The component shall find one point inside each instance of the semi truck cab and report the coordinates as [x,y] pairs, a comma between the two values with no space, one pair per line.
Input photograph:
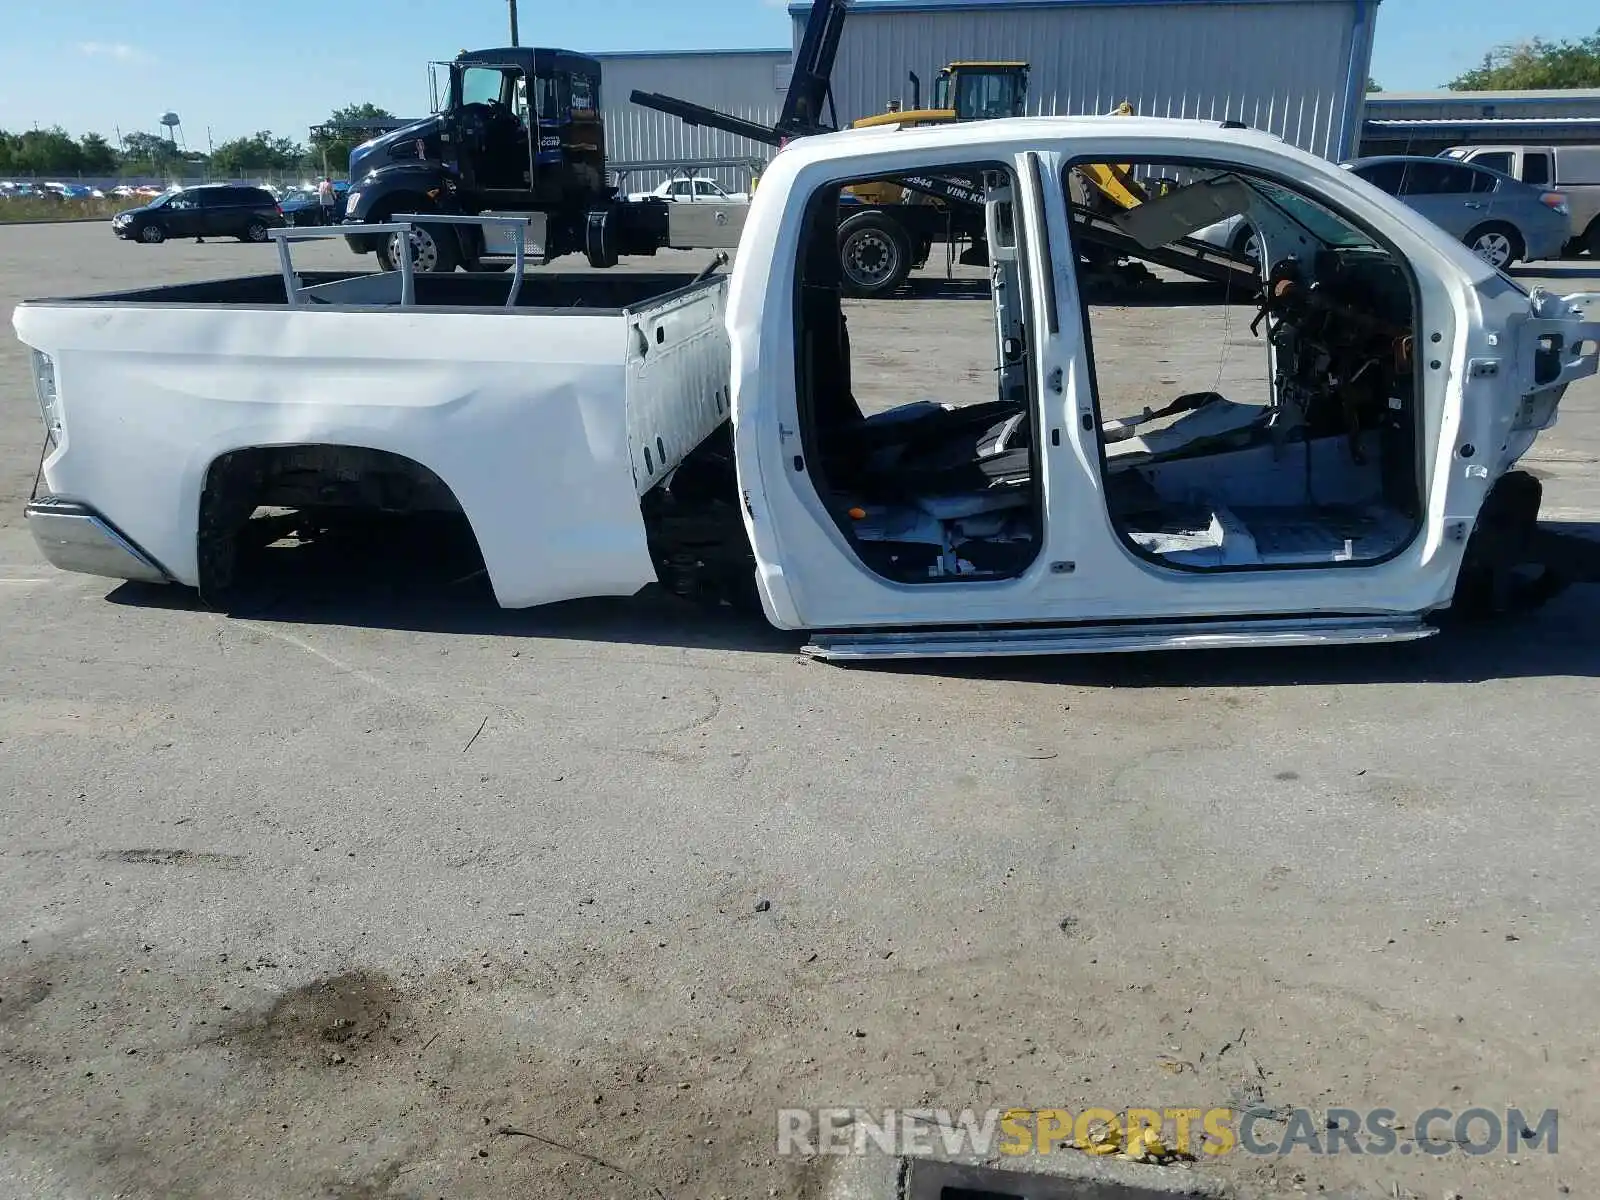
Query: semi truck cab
[519,131]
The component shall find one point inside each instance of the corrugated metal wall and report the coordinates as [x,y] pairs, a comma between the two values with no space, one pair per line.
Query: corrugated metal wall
[1390,106]
[745,83]
[1284,67]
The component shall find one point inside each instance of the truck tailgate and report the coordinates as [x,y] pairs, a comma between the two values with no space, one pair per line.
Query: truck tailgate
[677,379]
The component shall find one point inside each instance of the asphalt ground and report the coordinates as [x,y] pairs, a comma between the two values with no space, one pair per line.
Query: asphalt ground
[374,895]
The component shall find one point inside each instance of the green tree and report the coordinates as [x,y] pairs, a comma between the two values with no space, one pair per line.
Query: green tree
[342,132]
[96,155]
[1373,85]
[149,153]
[40,152]
[259,152]
[1515,66]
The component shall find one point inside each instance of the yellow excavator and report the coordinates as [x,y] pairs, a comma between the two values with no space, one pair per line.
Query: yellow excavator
[888,229]
[979,91]
[962,91]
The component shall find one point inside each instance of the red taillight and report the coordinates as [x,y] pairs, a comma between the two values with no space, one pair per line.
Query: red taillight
[1553,200]
[280,209]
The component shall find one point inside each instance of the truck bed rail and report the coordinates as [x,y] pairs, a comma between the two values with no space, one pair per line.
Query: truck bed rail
[405,223]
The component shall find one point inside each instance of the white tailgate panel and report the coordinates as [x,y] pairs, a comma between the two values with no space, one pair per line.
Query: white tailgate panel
[678,381]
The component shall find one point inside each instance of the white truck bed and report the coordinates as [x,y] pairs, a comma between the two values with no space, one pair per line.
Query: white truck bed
[546,421]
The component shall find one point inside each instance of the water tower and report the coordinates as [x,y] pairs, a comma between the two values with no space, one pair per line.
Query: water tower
[174,128]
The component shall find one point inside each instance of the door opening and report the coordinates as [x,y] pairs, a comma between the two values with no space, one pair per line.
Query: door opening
[938,486]
[1294,442]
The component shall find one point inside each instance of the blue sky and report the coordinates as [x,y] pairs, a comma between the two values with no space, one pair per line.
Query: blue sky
[97,64]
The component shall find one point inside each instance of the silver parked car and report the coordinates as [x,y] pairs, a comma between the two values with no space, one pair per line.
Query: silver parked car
[1502,219]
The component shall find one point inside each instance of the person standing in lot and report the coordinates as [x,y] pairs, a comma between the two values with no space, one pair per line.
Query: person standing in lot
[325,199]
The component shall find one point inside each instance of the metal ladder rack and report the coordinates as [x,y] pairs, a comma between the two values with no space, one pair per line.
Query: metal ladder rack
[403,223]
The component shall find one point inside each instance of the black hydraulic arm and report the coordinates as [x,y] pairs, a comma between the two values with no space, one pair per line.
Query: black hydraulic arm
[808,90]
[698,114]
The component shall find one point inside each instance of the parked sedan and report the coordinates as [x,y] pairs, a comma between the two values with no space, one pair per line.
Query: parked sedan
[207,210]
[302,206]
[700,188]
[1502,219]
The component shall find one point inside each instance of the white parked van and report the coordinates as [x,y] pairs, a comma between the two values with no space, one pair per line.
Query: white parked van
[1573,171]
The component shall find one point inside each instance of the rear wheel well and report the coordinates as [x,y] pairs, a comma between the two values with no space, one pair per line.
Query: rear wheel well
[300,485]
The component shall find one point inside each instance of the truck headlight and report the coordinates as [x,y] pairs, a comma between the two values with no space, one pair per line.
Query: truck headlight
[44,386]
[351,200]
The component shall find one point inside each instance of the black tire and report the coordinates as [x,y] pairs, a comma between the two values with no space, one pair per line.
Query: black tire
[434,249]
[1499,572]
[600,239]
[256,231]
[1499,237]
[224,509]
[874,255]
[151,234]
[1591,238]
[383,251]
[1241,244]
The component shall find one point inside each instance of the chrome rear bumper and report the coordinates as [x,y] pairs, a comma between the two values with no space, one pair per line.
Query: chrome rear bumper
[76,538]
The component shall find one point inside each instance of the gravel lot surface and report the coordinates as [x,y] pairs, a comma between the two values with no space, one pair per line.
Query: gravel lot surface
[323,902]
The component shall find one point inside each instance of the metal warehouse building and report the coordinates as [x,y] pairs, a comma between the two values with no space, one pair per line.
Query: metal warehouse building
[1427,122]
[1296,68]
[744,83]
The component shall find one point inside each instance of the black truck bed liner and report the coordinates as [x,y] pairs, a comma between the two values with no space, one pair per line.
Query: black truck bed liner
[592,292]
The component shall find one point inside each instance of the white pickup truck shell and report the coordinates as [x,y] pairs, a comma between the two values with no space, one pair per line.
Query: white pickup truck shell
[539,420]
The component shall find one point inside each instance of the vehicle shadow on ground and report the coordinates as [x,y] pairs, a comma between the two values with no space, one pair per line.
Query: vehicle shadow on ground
[428,577]
[1559,641]
[652,617]
[1188,293]
[1153,294]
[925,287]
[438,585]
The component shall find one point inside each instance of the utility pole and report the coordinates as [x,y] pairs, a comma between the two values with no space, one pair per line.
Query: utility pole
[513,6]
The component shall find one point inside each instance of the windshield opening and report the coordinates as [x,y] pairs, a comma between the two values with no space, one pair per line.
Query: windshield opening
[482,85]
[1332,231]
[986,95]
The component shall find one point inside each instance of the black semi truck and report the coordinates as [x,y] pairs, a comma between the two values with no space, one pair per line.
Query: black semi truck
[519,132]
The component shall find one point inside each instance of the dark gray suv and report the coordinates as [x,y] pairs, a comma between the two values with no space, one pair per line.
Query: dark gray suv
[206,210]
